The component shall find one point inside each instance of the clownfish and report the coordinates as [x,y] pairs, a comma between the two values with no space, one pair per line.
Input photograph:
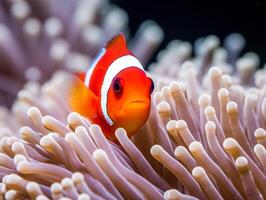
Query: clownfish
[115,91]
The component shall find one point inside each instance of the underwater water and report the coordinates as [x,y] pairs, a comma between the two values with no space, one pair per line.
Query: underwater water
[205,137]
[189,20]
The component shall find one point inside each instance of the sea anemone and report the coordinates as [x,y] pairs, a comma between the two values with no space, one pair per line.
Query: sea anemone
[205,137]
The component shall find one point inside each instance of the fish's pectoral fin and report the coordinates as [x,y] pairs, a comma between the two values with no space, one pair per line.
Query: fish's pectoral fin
[80,75]
[82,100]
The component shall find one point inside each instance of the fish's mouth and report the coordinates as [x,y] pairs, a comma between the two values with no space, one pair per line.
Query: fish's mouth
[134,106]
[133,113]
[137,101]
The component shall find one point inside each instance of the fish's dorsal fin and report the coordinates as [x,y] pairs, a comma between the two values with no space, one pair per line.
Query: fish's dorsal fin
[117,42]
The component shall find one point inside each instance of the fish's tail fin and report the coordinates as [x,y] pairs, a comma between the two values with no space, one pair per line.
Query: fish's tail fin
[81,99]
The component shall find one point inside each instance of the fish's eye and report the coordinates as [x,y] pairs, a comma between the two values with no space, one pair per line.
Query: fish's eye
[117,86]
[151,86]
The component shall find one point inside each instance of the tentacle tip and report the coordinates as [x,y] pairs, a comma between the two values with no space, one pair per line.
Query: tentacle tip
[232,107]
[99,154]
[223,92]
[119,132]
[156,150]
[242,164]
[198,172]
[171,125]
[204,100]
[77,177]
[56,188]
[73,117]
[215,72]
[181,124]
[195,146]
[229,143]
[180,151]
[67,182]
[32,111]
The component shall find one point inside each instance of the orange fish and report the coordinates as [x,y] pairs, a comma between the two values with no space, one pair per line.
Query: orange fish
[115,91]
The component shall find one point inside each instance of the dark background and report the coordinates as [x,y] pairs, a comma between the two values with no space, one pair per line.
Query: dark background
[189,20]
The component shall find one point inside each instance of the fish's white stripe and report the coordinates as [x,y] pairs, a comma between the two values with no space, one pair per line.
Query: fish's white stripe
[117,66]
[92,67]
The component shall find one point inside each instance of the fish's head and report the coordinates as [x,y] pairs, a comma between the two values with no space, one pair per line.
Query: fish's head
[129,99]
